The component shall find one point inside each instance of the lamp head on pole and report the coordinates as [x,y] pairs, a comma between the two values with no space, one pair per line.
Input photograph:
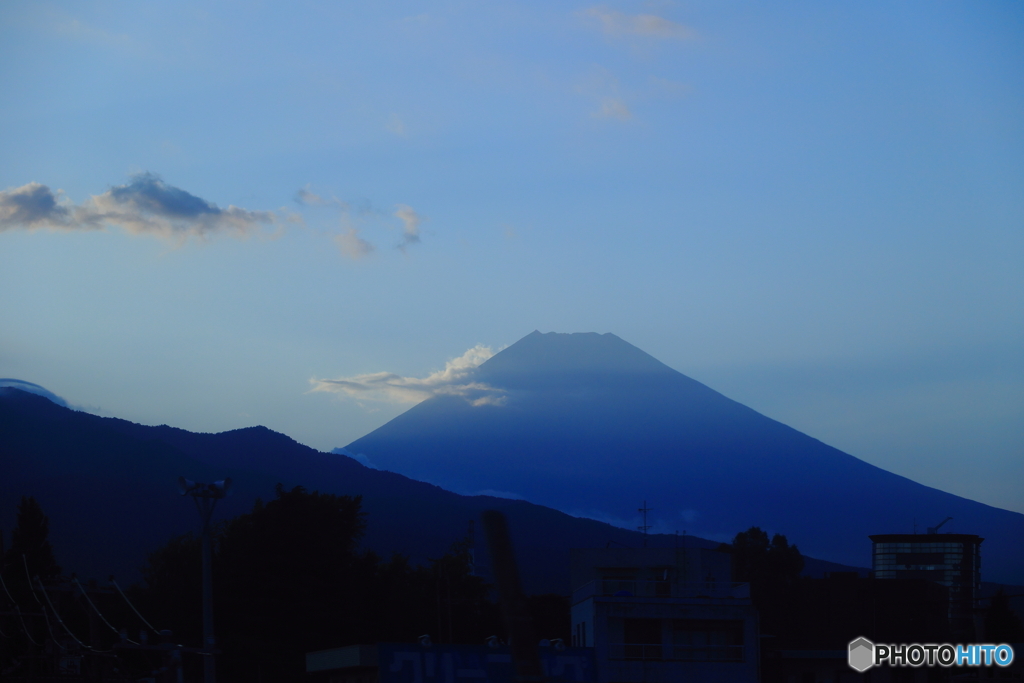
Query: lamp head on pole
[217,489]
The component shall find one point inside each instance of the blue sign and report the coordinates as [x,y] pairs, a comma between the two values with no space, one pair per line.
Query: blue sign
[406,663]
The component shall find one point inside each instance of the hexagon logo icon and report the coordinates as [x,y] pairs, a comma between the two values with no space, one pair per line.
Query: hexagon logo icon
[861,654]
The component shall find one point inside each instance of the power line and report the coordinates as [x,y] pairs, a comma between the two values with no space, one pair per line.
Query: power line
[74,579]
[17,609]
[61,621]
[28,633]
[4,584]
[149,625]
[46,618]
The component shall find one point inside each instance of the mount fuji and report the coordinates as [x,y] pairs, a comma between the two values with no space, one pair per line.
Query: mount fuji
[591,425]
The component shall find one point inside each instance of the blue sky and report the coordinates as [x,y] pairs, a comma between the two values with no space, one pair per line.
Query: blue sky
[814,208]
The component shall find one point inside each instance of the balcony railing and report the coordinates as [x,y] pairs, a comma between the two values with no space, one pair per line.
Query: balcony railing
[656,652]
[617,588]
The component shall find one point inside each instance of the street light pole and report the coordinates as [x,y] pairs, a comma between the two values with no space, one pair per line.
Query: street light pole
[206,497]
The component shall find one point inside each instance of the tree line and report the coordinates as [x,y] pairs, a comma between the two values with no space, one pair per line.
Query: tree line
[289,578]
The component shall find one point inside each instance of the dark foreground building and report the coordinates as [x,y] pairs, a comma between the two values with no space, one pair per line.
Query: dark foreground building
[419,663]
[951,560]
[822,616]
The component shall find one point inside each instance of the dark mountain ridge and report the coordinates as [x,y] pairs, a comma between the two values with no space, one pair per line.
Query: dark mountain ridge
[109,489]
[591,425]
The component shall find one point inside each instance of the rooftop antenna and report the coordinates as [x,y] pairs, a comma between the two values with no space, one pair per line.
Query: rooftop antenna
[645,526]
[935,529]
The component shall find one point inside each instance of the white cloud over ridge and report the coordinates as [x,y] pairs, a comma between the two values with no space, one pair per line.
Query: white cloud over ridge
[144,206]
[455,380]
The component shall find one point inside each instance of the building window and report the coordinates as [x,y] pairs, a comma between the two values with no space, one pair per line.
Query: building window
[707,640]
[642,639]
[618,582]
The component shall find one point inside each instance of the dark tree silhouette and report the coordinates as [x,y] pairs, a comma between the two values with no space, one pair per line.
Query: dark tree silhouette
[289,578]
[761,562]
[1002,625]
[31,538]
[173,588]
[772,568]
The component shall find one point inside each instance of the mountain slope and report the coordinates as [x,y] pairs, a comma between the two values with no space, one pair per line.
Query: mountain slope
[591,425]
[109,489]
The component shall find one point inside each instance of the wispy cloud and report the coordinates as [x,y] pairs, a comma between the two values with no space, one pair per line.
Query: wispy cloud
[79,30]
[306,197]
[617,24]
[352,245]
[396,125]
[144,206]
[411,221]
[603,87]
[613,108]
[455,380]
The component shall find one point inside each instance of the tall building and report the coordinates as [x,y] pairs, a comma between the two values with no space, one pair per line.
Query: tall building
[660,614]
[952,560]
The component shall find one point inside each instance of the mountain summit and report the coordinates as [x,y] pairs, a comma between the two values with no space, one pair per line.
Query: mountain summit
[582,354]
[591,425]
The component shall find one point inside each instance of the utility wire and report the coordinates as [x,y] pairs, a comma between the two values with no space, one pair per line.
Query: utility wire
[17,609]
[57,616]
[133,606]
[96,609]
[46,617]
[4,584]
[27,632]
[61,621]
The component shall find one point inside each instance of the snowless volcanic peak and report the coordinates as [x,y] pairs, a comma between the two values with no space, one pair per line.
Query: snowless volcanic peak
[593,426]
[571,353]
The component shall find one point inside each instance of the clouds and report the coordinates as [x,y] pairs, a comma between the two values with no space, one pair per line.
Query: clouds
[147,205]
[613,108]
[32,206]
[306,197]
[641,32]
[32,388]
[617,24]
[144,206]
[455,380]
[603,87]
[411,220]
[354,217]
[352,245]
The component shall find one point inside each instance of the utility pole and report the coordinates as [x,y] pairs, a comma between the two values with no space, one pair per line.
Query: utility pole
[206,497]
[646,526]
